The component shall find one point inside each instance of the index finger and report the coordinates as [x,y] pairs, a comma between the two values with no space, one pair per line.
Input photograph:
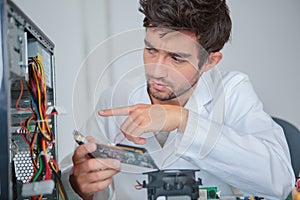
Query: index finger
[120,111]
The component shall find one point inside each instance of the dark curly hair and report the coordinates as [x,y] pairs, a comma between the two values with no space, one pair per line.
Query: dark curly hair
[208,19]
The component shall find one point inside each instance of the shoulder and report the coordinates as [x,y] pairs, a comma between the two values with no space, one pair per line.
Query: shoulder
[236,89]
[233,82]
[240,97]
[226,82]
[236,86]
[232,79]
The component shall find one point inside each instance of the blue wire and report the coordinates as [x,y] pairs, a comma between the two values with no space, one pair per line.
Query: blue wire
[37,111]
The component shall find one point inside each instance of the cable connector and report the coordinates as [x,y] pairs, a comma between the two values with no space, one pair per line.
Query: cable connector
[58,109]
[79,138]
[38,188]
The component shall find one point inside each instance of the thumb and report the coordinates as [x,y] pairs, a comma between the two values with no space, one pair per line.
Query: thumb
[82,151]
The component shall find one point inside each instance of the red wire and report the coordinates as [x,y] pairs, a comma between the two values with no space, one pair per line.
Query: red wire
[48,172]
[55,164]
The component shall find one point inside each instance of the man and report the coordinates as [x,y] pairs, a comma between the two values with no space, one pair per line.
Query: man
[188,115]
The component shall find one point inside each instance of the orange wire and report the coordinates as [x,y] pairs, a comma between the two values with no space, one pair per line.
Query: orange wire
[32,152]
[42,129]
[20,97]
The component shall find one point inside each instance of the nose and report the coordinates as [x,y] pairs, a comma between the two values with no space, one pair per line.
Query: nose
[158,67]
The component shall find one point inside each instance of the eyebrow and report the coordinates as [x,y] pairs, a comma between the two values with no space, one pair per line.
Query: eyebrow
[181,54]
[147,43]
[177,54]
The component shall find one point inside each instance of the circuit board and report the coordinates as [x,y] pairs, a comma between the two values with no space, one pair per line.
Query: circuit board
[126,154]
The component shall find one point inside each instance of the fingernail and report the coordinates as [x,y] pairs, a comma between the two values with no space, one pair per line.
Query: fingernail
[91,147]
[101,112]
[142,140]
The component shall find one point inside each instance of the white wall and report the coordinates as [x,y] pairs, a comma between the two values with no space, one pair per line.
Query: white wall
[265,44]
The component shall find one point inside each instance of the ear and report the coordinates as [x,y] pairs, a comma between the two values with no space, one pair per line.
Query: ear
[213,59]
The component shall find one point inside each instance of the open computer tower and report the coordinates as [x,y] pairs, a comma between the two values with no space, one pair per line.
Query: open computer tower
[27,89]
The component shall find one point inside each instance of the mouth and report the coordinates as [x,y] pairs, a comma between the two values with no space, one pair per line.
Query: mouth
[158,85]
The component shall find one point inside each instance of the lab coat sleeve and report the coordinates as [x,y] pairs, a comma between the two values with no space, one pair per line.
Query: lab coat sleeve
[98,128]
[247,150]
[95,128]
[67,168]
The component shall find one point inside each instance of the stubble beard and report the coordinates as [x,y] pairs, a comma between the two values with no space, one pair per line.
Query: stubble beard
[171,94]
[161,96]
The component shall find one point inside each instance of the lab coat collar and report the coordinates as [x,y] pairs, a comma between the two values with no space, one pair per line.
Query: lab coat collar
[202,94]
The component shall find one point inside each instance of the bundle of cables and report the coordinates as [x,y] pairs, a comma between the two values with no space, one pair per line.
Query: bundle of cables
[41,140]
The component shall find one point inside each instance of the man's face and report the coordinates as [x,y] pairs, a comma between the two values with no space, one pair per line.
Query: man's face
[171,63]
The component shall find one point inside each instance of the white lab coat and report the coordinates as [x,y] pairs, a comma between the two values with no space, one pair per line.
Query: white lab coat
[229,137]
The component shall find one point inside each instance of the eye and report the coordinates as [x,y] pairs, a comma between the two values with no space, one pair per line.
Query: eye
[178,59]
[150,50]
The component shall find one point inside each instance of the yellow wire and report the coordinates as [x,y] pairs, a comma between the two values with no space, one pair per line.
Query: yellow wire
[43,124]
[39,104]
[38,90]
[44,121]
[58,182]
[44,90]
[42,131]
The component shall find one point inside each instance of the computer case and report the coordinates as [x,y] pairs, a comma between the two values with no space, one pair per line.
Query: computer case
[21,40]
